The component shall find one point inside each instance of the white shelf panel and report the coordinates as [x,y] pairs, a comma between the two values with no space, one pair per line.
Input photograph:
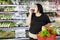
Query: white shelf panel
[23,38]
[15,12]
[16,39]
[8,5]
[9,20]
[15,28]
[9,12]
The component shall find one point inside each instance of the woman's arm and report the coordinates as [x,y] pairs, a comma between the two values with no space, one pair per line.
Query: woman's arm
[47,25]
[28,21]
[48,22]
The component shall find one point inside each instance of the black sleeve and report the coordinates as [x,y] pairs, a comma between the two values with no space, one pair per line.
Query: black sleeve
[47,19]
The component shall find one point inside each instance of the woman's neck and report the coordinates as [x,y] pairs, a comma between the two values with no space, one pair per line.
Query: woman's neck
[38,14]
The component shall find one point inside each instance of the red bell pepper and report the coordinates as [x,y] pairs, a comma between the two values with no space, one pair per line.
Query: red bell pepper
[50,31]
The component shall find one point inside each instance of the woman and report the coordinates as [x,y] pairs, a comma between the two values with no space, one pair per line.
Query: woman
[36,20]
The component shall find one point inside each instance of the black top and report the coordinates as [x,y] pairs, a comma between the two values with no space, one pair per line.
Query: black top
[38,22]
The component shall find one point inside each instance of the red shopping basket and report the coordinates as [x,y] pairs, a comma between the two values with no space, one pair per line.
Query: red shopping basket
[41,38]
[51,37]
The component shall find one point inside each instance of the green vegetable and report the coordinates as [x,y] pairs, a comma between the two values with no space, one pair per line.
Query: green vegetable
[44,32]
[47,33]
[41,33]
[54,31]
[12,24]
[7,24]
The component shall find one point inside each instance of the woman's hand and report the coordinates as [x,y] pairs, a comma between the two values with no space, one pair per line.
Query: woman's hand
[47,25]
[28,21]
[31,10]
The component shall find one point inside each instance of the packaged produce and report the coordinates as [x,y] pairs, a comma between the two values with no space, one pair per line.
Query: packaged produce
[47,34]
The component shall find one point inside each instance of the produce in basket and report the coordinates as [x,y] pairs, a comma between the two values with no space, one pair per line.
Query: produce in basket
[44,32]
[54,31]
[47,34]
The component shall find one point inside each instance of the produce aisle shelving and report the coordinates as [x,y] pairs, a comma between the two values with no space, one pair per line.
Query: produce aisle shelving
[13,14]
[12,20]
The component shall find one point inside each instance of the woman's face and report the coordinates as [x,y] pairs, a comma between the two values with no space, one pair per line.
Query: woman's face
[35,8]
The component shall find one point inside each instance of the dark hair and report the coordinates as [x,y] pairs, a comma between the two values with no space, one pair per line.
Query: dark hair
[40,8]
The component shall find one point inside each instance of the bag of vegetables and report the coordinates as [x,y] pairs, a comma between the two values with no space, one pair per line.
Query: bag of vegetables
[52,34]
[46,34]
[42,35]
[51,37]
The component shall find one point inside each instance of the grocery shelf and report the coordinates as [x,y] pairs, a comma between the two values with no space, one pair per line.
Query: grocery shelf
[21,27]
[9,12]
[8,5]
[23,19]
[8,38]
[23,11]
[13,5]
[9,28]
[11,19]
[8,20]
[16,39]
[15,12]
[57,37]
[21,38]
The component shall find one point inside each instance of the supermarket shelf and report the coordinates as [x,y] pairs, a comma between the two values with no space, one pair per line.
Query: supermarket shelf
[23,19]
[8,38]
[23,11]
[8,20]
[8,5]
[11,19]
[15,12]
[9,12]
[22,38]
[15,28]
[57,37]
[13,5]
[26,38]
[22,27]
[16,39]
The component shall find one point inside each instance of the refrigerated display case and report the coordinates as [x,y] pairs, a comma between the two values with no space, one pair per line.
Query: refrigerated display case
[12,20]
[13,14]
